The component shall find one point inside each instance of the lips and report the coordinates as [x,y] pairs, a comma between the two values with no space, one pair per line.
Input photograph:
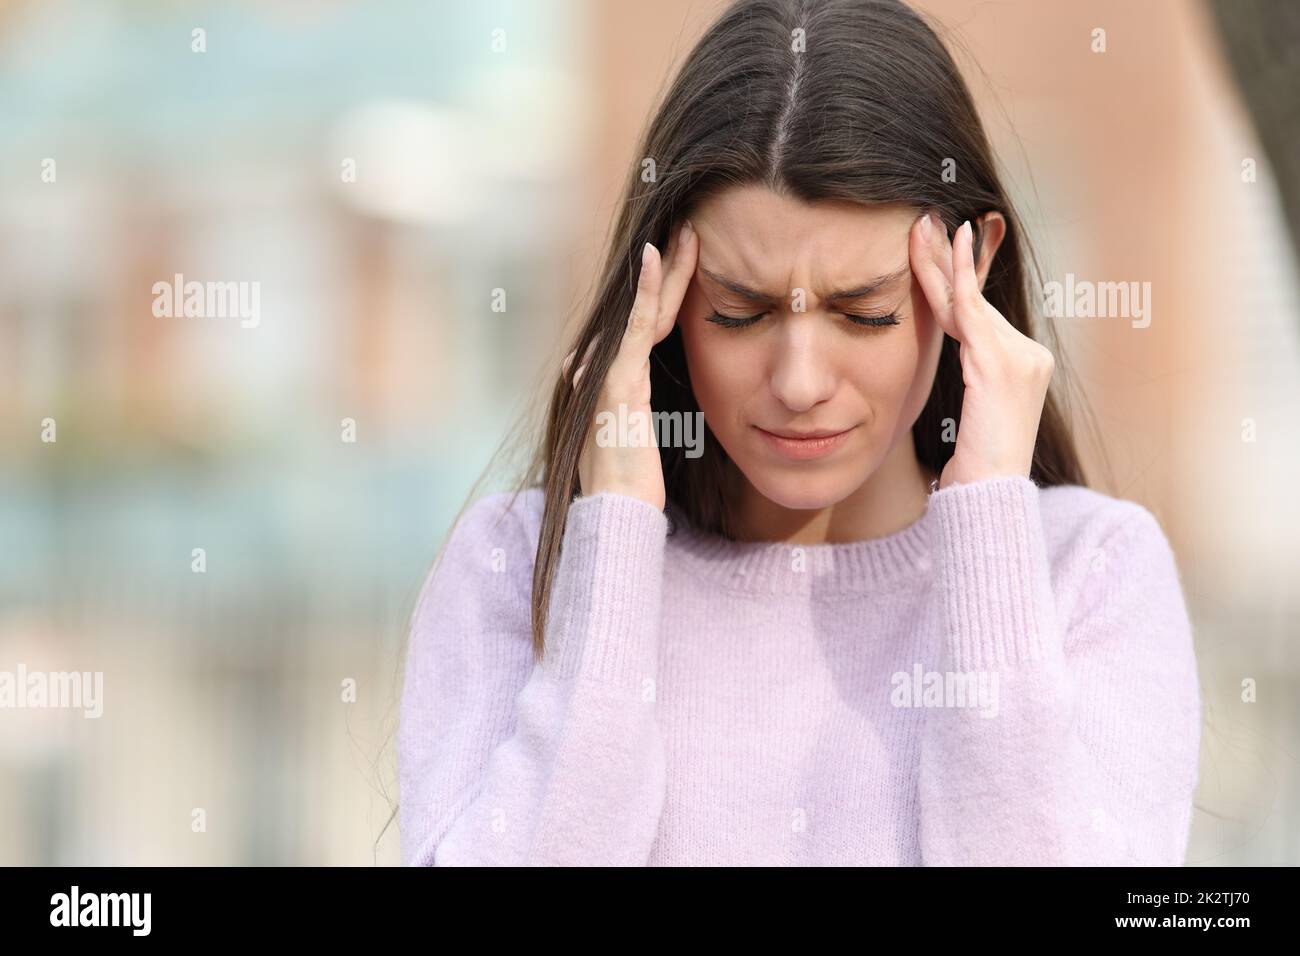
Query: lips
[800,436]
[803,446]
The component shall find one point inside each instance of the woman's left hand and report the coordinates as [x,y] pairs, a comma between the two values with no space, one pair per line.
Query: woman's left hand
[1005,372]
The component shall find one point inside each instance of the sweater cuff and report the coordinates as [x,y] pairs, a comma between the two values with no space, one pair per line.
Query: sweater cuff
[608,588]
[992,574]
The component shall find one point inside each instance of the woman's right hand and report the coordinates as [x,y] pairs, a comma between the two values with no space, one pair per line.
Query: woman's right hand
[620,466]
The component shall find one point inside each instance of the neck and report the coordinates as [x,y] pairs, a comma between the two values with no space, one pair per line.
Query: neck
[892,498]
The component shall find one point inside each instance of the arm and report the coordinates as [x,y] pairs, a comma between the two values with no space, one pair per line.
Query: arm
[506,762]
[1091,757]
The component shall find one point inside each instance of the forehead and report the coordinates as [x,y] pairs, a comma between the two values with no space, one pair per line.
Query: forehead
[752,233]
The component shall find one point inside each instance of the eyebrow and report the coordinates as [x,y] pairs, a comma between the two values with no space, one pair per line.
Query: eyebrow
[767,298]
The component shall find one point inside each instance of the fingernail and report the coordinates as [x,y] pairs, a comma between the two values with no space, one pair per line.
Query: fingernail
[645,254]
[687,229]
[926,228]
[966,225]
[939,227]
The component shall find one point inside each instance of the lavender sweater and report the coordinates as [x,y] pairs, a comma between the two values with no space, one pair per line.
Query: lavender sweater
[1009,680]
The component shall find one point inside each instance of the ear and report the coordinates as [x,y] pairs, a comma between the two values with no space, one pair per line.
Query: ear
[992,229]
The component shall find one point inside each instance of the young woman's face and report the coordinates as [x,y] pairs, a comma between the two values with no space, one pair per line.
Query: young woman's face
[804,366]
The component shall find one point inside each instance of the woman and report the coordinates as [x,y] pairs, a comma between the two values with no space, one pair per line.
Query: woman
[876,617]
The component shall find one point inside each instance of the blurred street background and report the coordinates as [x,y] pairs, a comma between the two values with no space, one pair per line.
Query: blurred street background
[379,169]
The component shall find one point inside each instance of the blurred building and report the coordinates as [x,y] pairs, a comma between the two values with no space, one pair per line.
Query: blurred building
[390,175]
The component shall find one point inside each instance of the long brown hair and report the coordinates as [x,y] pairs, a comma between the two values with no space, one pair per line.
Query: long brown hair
[865,104]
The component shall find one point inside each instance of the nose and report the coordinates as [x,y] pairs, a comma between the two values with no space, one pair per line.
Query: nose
[803,372]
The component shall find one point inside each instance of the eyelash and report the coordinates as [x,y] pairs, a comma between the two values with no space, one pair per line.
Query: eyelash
[862,321]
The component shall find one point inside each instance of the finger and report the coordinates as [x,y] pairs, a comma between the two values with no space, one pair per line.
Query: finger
[677,279]
[943,250]
[965,284]
[634,350]
[582,366]
[925,265]
[968,302]
[674,240]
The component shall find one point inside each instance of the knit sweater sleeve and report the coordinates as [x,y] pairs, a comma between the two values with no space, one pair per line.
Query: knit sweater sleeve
[1089,757]
[506,761]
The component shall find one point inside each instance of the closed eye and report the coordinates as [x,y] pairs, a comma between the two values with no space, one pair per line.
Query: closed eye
[866,321]
[734,321]
[875,321]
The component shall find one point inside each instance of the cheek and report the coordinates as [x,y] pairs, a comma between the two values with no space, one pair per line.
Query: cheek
[884,369]
[713,381]
[720,373]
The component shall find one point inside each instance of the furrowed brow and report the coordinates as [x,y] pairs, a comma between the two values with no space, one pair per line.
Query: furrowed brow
[875,285]
[731,285]
[867,288]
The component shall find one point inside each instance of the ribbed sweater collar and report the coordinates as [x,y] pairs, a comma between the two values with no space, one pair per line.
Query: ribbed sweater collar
[761,567]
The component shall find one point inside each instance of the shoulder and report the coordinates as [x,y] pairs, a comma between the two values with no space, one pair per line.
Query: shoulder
[1077,517]
[488,553]
[1072,517]
[1108,553]
[505,519]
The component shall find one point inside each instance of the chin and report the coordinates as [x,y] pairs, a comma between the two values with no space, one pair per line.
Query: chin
[805,489]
